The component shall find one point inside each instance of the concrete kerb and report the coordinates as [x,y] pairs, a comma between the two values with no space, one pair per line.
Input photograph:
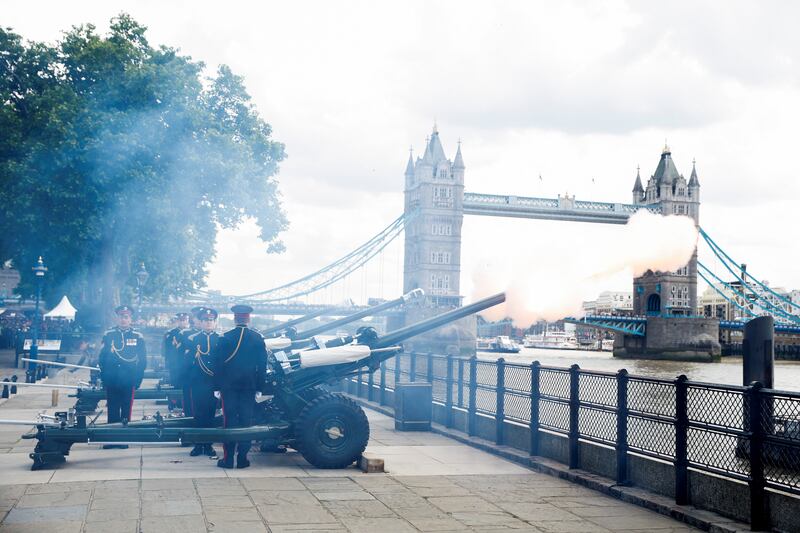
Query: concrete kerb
[689,515]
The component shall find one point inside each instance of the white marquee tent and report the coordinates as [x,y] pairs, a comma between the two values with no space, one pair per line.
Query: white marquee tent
[64,309]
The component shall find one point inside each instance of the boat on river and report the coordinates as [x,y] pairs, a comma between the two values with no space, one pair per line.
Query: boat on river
[501,344]
[552,340]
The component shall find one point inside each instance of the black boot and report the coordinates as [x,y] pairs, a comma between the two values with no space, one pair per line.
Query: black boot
[242,462]
[210,451]
[222,463]
[198,449]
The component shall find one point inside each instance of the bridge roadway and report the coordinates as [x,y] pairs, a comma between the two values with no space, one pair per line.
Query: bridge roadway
[434,484]
[561,208]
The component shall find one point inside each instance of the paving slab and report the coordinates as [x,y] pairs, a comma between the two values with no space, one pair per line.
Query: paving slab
[371,525]
[61,526]
[45,514]
[238,527]
[171,508]
[220,517]
[115,526]
[363,509]
[296,514]
[172,524]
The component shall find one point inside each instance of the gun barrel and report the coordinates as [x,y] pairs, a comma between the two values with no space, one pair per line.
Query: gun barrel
[398,336]
[290,323]
[375,309]
[47,385]
[56,363]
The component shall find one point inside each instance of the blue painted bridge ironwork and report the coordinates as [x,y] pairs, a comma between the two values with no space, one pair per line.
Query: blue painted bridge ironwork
[630,325]
[637,325]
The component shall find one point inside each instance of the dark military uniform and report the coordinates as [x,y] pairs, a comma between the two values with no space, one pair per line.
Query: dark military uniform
[183,366]
[240,361]
[123,358]
[171,352]
[202,386]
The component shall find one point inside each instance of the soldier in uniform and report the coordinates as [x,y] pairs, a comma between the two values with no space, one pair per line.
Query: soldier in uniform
[201,376]
[184,365]
[122,360]
[170,347]
[240,365]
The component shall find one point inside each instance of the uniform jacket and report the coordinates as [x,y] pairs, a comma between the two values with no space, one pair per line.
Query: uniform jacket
[200,347]
[184,354]
[240,360]
[123,358]
[170,347]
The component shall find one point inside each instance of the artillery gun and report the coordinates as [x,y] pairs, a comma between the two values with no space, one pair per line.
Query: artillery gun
[329,429]
[88,398]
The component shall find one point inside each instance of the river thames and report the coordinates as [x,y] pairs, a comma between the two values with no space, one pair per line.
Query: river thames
[728,370]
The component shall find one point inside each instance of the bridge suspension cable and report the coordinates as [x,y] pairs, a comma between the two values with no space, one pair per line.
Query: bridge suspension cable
[769,306]
[330,274]
[736,292]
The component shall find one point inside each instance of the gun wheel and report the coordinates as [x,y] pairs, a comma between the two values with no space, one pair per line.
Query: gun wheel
[332,431]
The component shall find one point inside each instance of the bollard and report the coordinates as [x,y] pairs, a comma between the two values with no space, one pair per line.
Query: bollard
[54,398]
[759,352]
[5,388]
[14,387]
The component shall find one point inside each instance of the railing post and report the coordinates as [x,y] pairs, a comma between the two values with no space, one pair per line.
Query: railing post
[382,396]
[500,413]
[370,384]
[622,427]
[681,441]
[359,382]
[461,382]
[759,517]
[430,368]
[398,365]
[412,367]
[448,401]
[472,411]
[535,394]
[574,410]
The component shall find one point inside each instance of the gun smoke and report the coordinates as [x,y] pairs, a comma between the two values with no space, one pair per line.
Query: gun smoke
[554,284]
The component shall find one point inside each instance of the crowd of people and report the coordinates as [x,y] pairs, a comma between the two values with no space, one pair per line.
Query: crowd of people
[212,370]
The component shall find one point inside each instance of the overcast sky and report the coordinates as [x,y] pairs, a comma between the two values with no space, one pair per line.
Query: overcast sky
[579,92]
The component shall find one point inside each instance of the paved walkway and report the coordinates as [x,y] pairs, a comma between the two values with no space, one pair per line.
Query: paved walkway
[432,484]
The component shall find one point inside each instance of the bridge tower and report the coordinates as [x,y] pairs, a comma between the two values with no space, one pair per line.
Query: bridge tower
[668,293]
[434,207]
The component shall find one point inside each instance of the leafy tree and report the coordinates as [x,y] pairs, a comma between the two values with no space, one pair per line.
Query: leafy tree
[115,152]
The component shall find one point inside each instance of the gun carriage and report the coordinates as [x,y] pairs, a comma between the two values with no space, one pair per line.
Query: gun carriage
[329,429]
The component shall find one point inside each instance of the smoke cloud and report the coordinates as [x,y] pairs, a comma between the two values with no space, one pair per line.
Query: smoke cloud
[550,284]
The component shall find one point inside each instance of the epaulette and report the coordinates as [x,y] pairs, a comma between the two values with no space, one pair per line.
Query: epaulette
[108,331]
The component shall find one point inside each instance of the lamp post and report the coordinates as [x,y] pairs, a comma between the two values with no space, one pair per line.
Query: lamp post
[39,271]
[141,279]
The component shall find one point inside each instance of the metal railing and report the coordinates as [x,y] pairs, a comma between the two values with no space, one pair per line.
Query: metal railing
[749,434]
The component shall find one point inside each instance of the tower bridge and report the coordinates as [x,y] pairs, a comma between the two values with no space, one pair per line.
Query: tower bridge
[435,203]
